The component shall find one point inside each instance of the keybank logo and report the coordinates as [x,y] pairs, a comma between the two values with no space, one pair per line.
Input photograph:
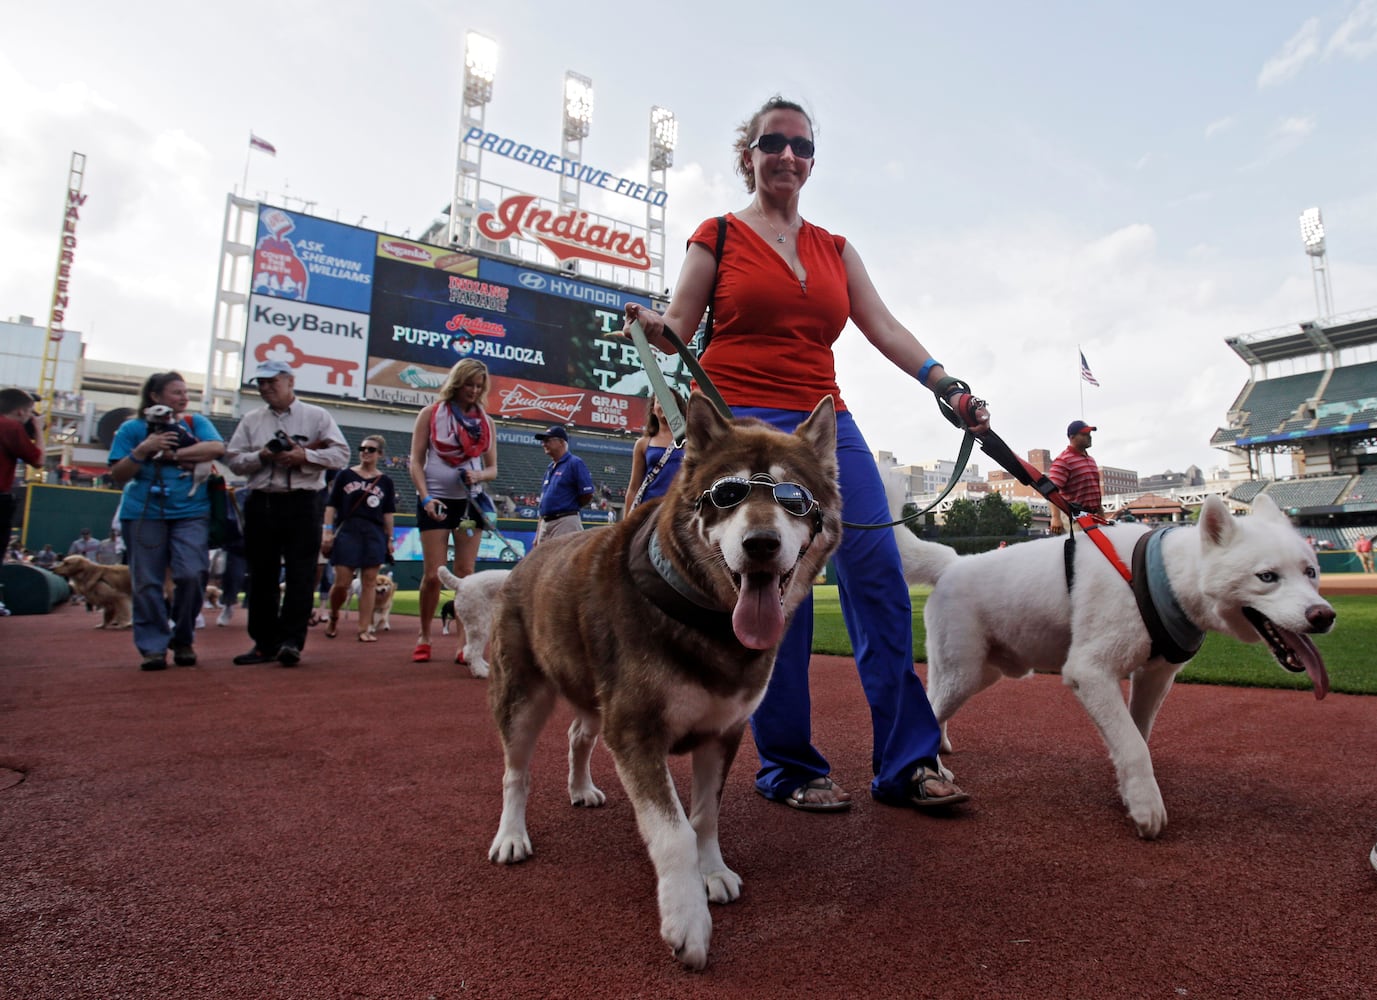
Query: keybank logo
[531,280]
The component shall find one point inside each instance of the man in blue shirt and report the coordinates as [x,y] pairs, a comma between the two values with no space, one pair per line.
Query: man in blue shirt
[566,490]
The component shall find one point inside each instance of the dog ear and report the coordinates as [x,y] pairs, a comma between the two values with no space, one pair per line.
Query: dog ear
[820,431]
[1216,523]
[1265,506]
[705,426]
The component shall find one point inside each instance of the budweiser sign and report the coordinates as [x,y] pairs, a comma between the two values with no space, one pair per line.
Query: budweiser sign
[568,235]
[522,401]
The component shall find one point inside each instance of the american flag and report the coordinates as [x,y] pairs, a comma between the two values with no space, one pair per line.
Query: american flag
[1086,373]
[262,145]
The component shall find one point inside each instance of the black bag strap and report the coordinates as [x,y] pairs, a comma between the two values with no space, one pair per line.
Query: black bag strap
[712,295]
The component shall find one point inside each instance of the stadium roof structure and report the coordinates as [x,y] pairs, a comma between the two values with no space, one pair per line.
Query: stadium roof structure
[1321,336]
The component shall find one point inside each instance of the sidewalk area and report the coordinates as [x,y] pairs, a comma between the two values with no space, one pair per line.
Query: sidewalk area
[258,832]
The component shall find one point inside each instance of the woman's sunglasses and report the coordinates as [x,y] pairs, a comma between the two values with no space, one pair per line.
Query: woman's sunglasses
[368,447]
[774,142]
[729,491]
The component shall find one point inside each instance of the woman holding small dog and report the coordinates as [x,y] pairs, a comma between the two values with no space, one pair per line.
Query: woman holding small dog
[453,453]
[655,458]
[357,533]
[165,515]
[781,292]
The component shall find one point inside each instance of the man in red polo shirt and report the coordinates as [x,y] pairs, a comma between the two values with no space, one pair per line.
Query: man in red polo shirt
[1076,474]
[20,430]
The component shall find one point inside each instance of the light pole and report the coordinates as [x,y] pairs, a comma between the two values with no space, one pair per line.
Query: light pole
[480,68]
[664,136]
[1312,235]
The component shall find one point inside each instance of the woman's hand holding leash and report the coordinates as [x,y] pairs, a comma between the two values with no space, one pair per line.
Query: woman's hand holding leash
[652,324]
[960,406]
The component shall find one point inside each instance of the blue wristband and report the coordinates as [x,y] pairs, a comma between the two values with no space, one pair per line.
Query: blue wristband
[927,368]
[426,502]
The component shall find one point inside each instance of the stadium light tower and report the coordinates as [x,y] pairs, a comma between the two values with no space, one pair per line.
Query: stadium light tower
[578,121]
[480,69]
[1312,235]
[664,136]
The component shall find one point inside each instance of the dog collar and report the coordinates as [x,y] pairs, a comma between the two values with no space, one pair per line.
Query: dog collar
[1175,638]
[656,577]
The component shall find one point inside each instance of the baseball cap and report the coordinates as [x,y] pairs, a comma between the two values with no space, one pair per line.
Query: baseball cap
[272,369]
[556,431]
[1076,426]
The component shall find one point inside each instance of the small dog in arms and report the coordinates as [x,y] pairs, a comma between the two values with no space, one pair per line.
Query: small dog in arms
[1008,612]
[666,642]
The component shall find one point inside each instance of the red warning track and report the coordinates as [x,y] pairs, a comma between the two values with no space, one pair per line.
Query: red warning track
[252,832]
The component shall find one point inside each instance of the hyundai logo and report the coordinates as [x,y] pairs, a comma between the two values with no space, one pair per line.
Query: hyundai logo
[531,280]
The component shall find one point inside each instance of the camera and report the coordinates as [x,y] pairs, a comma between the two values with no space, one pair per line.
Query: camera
[280,442]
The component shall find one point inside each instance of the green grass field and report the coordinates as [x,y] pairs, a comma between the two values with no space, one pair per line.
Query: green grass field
[1350,651]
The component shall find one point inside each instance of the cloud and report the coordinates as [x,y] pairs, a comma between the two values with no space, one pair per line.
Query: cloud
[1299,49]
[1219,125]
[1285,138]
[1357,36]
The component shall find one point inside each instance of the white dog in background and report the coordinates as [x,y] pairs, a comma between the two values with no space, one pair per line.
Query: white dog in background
[475,600]
[1008,612]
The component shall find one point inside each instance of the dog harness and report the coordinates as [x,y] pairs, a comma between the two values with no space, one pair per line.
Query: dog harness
[1175,638]
[656,578]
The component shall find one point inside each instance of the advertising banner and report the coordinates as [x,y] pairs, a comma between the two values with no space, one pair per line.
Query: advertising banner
[307,259]
[327,347]
[363,315]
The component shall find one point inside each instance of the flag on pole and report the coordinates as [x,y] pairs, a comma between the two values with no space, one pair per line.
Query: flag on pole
[262,145]
[1086,373]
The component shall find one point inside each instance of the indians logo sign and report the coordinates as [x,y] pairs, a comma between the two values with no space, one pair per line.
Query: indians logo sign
[567,235]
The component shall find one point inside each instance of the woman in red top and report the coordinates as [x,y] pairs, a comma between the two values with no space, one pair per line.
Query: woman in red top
[785,290]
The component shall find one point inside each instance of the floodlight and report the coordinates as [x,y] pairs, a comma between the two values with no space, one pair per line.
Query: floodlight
[578,105]
[1312,232]
[480,67]
[664,135]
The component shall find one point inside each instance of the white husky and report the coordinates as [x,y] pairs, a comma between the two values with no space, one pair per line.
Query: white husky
[1008,612]
[475,600]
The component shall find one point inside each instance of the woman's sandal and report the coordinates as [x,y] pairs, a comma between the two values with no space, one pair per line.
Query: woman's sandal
[421,654]
[920,796]
[798,798]
[367,636]
[330,623]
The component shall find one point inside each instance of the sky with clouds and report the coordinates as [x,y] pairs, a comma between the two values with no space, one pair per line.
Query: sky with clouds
[1021,179]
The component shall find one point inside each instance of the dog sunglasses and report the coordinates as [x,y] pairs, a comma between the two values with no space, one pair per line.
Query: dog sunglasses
[729,491]
[774,142]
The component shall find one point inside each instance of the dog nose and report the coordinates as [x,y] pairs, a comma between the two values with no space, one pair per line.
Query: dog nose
[761,544]
[1320,616]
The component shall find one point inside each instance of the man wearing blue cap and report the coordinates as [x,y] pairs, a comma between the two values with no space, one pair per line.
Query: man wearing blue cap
[283,451]
[566,490]
[1076,474]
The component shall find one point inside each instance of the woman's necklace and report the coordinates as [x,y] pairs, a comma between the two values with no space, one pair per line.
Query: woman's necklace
[780,238]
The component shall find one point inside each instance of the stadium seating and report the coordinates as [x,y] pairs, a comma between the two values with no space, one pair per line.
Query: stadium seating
[1272,402]
[1246,492]
[1321,491]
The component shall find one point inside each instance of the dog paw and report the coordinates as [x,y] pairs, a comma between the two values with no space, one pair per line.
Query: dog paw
[686,926]
[723,885]
[1146,808]
[510,848]
[479,668]
[589,795]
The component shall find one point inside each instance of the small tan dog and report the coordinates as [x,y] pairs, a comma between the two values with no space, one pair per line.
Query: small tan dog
[104,587]
[383,591]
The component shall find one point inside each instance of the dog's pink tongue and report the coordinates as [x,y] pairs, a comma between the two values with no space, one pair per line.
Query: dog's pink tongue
[1310,658]
[758,619]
